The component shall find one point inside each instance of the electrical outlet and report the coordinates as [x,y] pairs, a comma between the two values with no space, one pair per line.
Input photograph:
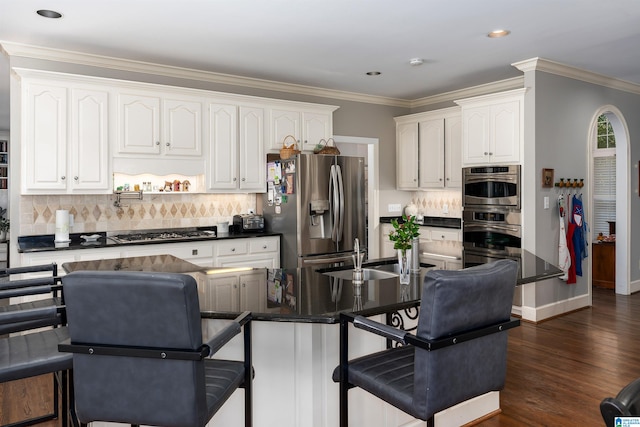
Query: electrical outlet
[395,207]
[445,209]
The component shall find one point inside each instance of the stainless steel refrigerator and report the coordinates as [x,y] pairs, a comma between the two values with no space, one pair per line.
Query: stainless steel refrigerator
[317,202]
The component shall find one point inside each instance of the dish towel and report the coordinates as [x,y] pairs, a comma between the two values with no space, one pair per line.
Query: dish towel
[564,258]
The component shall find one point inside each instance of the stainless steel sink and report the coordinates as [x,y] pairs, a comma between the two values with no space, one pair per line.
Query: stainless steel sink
[375,273]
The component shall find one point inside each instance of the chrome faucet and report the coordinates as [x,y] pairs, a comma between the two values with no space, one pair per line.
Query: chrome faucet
[357,256]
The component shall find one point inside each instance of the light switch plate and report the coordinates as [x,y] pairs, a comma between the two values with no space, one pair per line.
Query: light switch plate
[395,207]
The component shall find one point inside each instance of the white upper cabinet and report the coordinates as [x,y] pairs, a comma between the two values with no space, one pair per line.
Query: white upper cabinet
[407,156]
[159,125]
[307,123]
[66,139]
[89,154]
[236,148]
[428,153]
[492,130]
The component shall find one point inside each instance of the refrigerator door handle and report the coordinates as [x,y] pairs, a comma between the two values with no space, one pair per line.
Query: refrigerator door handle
[333,193]
[328,260]
[341,197]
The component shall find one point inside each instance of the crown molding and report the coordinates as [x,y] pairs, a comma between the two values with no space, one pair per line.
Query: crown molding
[470,92]
[80,58]
[551,67]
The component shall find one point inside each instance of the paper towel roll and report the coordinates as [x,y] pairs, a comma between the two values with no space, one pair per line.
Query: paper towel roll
[62,226]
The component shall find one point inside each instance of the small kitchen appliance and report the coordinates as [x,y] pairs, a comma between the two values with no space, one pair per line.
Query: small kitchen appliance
[248,223]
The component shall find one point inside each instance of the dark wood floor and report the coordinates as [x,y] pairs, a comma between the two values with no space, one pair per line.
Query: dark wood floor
[558,370]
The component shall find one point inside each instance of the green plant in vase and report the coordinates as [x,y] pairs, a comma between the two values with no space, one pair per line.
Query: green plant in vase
[402,237]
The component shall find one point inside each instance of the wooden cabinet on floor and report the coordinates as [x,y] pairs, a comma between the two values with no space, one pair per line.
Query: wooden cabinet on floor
[604,265]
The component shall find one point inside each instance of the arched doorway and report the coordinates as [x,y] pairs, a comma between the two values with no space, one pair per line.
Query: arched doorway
[620,129]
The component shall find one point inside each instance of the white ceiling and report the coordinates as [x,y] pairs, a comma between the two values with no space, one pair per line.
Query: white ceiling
[333,43]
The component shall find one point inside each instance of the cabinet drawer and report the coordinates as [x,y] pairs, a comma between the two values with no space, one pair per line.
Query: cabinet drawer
[261,245]
[234,247]
[193,251]
[441,235]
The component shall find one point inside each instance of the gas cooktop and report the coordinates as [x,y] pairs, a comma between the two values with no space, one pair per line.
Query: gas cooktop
[162,236]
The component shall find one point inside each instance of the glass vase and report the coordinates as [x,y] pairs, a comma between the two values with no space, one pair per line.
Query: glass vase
[404,265]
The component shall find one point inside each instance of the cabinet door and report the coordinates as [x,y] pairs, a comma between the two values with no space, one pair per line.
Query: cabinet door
[453,152]
[475,135]
[316,126]
[505,132]
[223,147]
[223,293]
[386,245]
[138,124]
[407,156]
[45,138]
[89,151]
[253,166]
[253,291]
[182,127]
[431,153]
[284,123]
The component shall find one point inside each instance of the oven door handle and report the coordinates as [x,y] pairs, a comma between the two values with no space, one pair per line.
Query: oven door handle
[482,227]
[505,178]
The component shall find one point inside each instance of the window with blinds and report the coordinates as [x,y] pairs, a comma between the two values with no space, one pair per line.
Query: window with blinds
[604,178]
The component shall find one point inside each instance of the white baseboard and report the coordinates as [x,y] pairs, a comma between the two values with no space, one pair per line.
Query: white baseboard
[537,314]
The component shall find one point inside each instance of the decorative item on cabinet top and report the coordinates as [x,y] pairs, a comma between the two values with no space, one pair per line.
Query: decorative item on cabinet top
[326,147]
[288,151]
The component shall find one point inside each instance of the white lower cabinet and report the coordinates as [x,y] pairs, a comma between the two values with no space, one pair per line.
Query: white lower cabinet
[199,253]
[235,291]
[251,252]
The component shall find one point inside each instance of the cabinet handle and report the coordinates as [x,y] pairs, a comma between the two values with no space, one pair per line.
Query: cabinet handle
[244,285]
[243,179]
[233,249]
[168,144]
[235,286]
[194,252]
[264,247]
[235,179]
[439,179]
[490,153]
[158,143]
[75,178]
[486,153]
[447,179]
[63,177]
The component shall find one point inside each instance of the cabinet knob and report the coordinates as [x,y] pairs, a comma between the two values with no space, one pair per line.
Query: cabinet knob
[233,249]
[75,178]
[490,153]
[235,179]
[264,247]
[486,153]
[158,143]
[168,144]
[447,179]
[439,179]
[194,252]
[63,177]
[244,285]
[235,286]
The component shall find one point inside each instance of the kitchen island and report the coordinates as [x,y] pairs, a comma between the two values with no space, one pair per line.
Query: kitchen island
[296,338]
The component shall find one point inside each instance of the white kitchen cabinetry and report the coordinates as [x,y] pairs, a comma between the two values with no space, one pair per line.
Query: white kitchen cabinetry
[307,124]
[428,150]
[492,128]
[236,291]
[66,144]
[150,124]
[236,148]
[250,252]
[198,252]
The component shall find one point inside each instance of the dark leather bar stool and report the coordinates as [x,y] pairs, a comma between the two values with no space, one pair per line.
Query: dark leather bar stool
[625,404]
[31,350]
[138,353]
[459,351]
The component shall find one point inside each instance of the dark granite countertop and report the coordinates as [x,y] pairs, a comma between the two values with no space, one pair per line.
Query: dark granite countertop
[304,294]
[46,242]
[429,221]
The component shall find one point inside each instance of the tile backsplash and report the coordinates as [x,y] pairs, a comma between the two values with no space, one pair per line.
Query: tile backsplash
[434,203]
[156,211]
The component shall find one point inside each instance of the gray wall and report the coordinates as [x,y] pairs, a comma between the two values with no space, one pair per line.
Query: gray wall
[564,110]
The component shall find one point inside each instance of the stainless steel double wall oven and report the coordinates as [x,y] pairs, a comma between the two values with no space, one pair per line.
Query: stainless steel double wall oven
[492,225]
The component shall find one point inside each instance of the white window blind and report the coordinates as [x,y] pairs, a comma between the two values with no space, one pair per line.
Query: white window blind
[604,193]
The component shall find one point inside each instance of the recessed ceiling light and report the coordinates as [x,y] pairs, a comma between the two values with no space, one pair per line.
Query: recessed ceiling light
[498,33]
[49,13]
[373,73]
[416,61]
